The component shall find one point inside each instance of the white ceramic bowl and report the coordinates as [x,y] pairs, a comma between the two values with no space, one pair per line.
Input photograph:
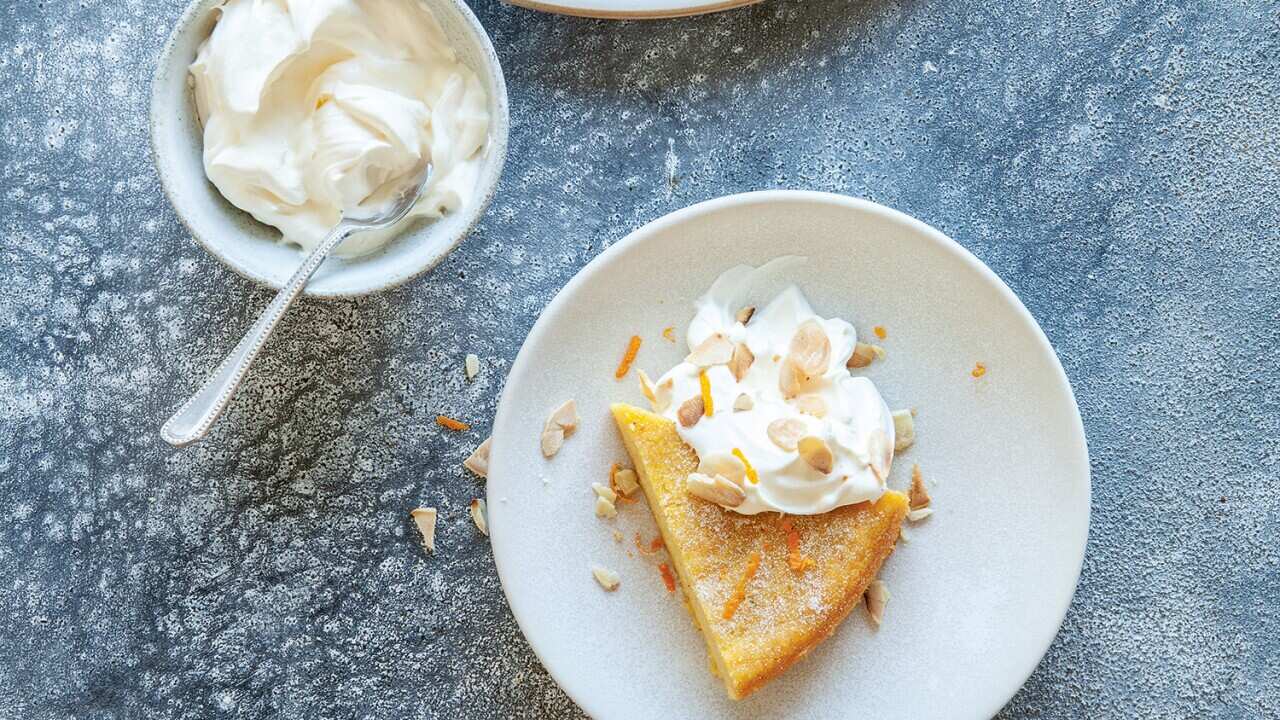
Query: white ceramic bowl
[981,588]
[251,248]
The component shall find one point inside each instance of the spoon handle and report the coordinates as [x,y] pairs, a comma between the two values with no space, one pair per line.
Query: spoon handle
[192,421]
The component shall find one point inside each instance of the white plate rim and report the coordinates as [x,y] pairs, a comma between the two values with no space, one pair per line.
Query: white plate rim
[597,264]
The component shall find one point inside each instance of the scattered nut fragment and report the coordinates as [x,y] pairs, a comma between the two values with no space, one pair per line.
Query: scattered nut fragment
[812,405]
[626,481]
[743,402]
[728,466]
[904,430]
[917,495]
[715,488]
[790,378]
[425,519]
[786,432]
[744,315]
[605,507]
[472,365]
[920,514]
[877,596]
[604,491]
[864,354]
[617,536]
[479,515]
[741,361]
[560,424]
[814,451]
[691,411]
[811,349]
[715,350]
[659,396]
[607,578]
[478,463]
[880,454]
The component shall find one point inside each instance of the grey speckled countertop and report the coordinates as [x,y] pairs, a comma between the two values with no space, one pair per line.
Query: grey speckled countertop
[1117,163]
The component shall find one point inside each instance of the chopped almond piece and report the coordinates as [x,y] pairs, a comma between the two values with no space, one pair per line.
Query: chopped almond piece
[607,578]
[605,508]
[560,424]
[744,315]
[478,463]
[815,451]
[425,519]
[479,515]
[918,515]
[691,411]
[715,350]
[604,492]
[877,597]
[743,403]
[625,482]
[918,496]
[740,592]
[633,347]
[864,354]
[904,429]
[445,421]
[741,360]
[472,365]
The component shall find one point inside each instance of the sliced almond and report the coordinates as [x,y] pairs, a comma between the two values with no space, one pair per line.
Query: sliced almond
[626,481]
[812,405]
[425,519]
[877,597]
[917,495]
[786,432]
[726,465]
[743,402]
[478,463]
[604,491]
[741,361]
[552,439]
[605,508]
[691,411]
[715,488]
[607,578]
[791,379]
[560,424]
[658,395]
[744,315]
[811,349]
[920,514]
[880,453]
[479,515]
[715,350]
[472,365]
[864,354]
[904,430]
[815,451]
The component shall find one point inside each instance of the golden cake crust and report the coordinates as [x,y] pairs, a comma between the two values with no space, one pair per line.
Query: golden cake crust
[796,597]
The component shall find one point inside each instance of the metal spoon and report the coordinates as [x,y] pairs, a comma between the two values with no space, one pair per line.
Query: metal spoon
[193,420]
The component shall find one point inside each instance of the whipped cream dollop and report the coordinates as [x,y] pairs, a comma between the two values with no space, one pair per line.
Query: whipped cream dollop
[309,106]
[826,402]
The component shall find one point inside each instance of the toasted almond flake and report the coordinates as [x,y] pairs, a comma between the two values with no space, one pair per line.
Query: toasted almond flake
[744,315]
[552,440]
[812,405]
[647,387]
[815,451]
[904,430]
[626,482]
[607,578]
[920,514]
[628,357]
[864,354]
[786,432]
[472,365]
[877,597]
[791,379]
[690,412]
[728,466]
[715,488]
[752,477]
[447,422]
[605,508]
[810,349]
[604,491]
[715,350]
[740,361]
[479,515]
[478,463]
[880,453]
[743,402]
[917,495]
[658,395]
[425,519]
[978,370]
[560,424]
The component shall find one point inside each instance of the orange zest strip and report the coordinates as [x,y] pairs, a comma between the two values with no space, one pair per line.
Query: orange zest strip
[880,332]
[751,472]
[708,408]
[740,592]
[651,547]
[669,334]
[667,578]
[628,357]
[978,370]
[656,544]
[798,561]
[445,421]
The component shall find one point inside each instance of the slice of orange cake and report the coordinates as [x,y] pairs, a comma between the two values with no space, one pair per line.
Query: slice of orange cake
[765,588]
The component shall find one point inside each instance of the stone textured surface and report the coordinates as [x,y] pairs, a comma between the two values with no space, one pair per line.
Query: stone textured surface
[1116,162]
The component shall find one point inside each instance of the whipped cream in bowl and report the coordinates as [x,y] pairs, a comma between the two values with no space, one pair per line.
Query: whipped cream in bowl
[269,119]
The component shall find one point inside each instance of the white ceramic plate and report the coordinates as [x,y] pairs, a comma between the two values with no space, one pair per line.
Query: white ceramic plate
[978,592]
[631,9]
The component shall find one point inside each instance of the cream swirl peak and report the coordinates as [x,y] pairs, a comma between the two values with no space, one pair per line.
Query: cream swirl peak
[309,106]
[786,421]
